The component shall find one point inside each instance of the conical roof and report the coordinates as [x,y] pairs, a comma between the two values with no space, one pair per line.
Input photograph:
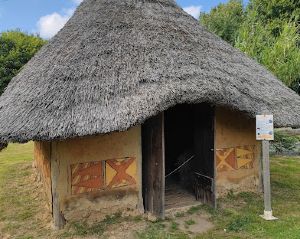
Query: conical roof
[118,62]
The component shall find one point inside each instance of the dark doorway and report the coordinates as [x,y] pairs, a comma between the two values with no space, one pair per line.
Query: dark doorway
[189,155]
[178,158]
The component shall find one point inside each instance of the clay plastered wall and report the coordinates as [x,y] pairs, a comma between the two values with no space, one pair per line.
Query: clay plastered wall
[99,175]
[42,156]
[238,153]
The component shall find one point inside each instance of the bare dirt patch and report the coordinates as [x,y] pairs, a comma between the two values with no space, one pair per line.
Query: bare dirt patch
[190,220]
[125,230]
[194,224]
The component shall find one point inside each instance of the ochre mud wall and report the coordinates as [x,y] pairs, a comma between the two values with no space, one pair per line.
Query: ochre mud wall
[99,175]
[237,153]
[42,154]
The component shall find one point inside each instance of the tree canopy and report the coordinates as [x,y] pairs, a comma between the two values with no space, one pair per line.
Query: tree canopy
[266,30]
[16,49]
[225,20]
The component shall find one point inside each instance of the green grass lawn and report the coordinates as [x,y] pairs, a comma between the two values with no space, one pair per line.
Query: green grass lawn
[238,215]
[21,210]
[23,213]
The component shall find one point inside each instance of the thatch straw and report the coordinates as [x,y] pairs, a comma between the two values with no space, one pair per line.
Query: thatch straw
[118,62]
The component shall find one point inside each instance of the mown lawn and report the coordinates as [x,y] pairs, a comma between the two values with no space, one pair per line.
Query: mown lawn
[21,210]
[23,213]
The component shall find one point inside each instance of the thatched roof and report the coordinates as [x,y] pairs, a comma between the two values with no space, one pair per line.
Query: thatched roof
[118,62]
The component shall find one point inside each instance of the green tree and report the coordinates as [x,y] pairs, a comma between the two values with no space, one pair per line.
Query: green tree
[283,57]
[225,20]
[270,34]
[273,10]
[268,31]
[16,49]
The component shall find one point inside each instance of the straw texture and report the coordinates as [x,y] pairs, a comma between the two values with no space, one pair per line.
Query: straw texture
[118,62]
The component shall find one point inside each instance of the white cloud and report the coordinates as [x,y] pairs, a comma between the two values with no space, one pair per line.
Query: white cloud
[193,11]
[50,24]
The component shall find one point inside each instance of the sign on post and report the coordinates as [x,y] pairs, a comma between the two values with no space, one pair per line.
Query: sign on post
[264,127]
[265,132]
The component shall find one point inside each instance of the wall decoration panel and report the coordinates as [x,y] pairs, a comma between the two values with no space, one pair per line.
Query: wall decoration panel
[103,175]
[240,157]
[120,172]
[87,177]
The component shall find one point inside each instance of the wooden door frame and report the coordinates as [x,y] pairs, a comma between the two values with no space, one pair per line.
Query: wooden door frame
[204,148]
[159,209]
[154,180]
[215,157]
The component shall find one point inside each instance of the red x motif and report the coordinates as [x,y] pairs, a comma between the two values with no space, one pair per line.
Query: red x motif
[120,167]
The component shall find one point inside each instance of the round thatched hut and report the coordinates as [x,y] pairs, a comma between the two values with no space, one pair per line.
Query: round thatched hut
[126,93]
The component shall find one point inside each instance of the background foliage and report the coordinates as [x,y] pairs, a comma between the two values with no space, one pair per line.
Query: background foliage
[16,49]
[285,143]
[266,30]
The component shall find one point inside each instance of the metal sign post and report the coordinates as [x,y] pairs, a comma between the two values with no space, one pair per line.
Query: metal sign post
[265,133]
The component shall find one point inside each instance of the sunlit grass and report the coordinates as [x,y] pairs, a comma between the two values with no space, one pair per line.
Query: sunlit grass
[22,206]
[19,198]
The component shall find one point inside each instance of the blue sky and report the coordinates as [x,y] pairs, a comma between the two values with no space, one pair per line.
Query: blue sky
[46,17]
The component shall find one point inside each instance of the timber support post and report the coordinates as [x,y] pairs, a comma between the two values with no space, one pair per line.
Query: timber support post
[154,166]
[58,218]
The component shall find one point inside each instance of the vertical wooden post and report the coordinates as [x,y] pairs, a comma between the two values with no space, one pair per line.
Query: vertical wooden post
[204,149]
[58,218]
[215,157]
[154,165]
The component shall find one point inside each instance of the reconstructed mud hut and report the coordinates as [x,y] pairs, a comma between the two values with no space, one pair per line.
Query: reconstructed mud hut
[127,92]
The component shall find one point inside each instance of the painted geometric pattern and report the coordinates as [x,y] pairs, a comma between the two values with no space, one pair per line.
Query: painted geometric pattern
[120,172]
[245,156]
[241,157]
[87,177]
[93,176]
[226,160]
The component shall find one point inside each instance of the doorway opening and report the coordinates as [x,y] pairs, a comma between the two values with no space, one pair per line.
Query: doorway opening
[178,158]
[189,155]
